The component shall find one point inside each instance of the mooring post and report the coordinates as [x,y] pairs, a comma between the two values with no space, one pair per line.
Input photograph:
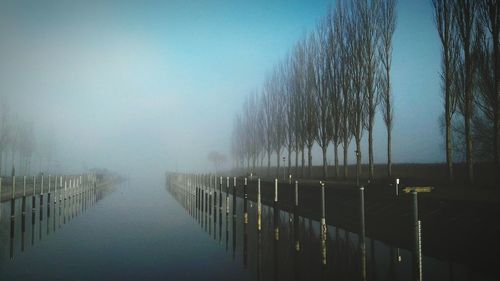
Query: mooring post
[418,250]
[245,211]
[296,218]
[362,232]
[227,195]
[23,205]
[48,192]
[41,195]
[13,183]
[323,224]
[33,203]
[234,197]
[220,193]
[397,187]
[418,243]
[276,212]
[259,207]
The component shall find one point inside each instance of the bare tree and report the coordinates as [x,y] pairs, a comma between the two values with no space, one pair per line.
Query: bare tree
[5,130]
[267,124]
[465,12]
[367,11]
[387,24]
[443,14]
[355,44]
[322,104]
[489,68]
[344,80]
[299,100]
[311,117]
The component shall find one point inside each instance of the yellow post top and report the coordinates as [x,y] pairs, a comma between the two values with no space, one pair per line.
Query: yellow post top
[418,189]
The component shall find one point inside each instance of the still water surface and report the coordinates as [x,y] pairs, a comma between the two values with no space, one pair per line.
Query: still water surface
[143,230]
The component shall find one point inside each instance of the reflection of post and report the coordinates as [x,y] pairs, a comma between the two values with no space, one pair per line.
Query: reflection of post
[362,242]
[12,225]
[296,233]
[259,207]
[23,230]
[245,245]
[259,251]
[234,237]
[323,225]
[276,239]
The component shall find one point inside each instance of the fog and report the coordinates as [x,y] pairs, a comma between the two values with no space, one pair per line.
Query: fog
[141,87]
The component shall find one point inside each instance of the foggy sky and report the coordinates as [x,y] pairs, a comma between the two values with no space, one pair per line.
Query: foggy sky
[138,86]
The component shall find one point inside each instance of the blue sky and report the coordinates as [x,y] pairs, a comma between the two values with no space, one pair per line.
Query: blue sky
[156,84]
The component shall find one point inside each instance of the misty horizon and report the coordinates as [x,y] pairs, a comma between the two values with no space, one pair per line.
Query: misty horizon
[154,86]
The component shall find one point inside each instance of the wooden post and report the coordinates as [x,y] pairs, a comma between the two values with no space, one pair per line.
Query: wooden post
[323,224]
[234,197]
[227,195]
[296,232]
[13,184]
[245,211]
[33,203]
[276,212]
[362,232]
[259,207]
[220,193]
[397,187]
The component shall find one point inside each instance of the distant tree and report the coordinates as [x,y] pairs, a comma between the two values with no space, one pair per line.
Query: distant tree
[217,158]
[5,130]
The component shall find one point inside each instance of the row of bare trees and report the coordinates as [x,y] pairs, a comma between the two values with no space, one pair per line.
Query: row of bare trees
[18,146]
[326,91]
[468,32]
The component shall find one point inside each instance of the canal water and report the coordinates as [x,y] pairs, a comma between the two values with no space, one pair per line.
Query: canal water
[143,229]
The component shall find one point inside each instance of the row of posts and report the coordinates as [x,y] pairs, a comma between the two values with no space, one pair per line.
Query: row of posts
[204,189]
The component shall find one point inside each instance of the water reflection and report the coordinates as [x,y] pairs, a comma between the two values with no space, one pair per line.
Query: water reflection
[290,246]
[49,212]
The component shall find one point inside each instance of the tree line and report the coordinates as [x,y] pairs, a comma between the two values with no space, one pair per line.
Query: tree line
[20,149]
[325,92]
[329,88]
[468,33]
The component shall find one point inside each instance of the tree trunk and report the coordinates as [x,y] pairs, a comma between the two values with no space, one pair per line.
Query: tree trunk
[370,146]
[303,163]
[346,147]
[389,152]
[358,160]
[278,164]
[325,167]
[289,161]
[268,163]
[296,161]
[336,157]
[309,161]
